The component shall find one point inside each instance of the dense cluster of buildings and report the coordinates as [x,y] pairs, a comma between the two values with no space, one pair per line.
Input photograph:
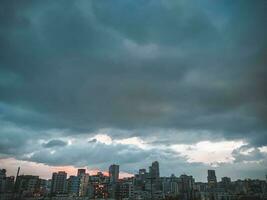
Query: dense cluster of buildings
[146,185]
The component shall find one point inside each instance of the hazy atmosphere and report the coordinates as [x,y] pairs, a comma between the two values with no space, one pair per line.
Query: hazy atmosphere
[94,82]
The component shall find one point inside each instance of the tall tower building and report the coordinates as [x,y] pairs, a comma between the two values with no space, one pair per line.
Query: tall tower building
[2,179]
[154,170]
[59,183]
[212,179]
[81,172]
[114,171]
[84,183]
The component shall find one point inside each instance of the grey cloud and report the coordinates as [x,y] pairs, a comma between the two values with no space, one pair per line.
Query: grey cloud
[92,154]
[100,155]
[54,143]
[92,141]
[164,22]
[252,154]
[131,158]
[81,76]
[144,67]
[15,140]
[79,46]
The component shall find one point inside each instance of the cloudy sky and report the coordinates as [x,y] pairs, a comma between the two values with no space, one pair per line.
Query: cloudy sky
[89,83]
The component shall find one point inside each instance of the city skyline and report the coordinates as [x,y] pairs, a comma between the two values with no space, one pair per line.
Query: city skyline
[89,83]
[146,184]
[211,174]
[123,175]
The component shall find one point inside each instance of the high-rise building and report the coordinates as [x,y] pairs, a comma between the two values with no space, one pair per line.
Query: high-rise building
[186,186]
[84,182]
[154,170]
[73,185]
[6,183]
[2,178]
[81,172]
[114,171]
[212,184]
[59,183]
[153,183]
[212,179]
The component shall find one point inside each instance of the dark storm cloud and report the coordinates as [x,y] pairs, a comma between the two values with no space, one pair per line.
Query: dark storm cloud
[54,143]
[96,154]
[248,153]
[135,65]
[164,23]
[100,155]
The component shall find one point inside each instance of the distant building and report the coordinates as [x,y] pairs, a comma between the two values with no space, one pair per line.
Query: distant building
[44,187]
[154,170]
[114,171]
[100,191]
[142,174]
[59,183]
[186,186]
[153,182]
[140,179]
[226,182]
[114,186]
[143,186]
[73,185]
[83,186]
[170,186]
[212,185]
[125,189]
[81,172]
[212,179]
[27,185]
[2,173]
[2,178]
[6,183]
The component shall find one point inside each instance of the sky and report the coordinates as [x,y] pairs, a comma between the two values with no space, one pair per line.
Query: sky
[90,83]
